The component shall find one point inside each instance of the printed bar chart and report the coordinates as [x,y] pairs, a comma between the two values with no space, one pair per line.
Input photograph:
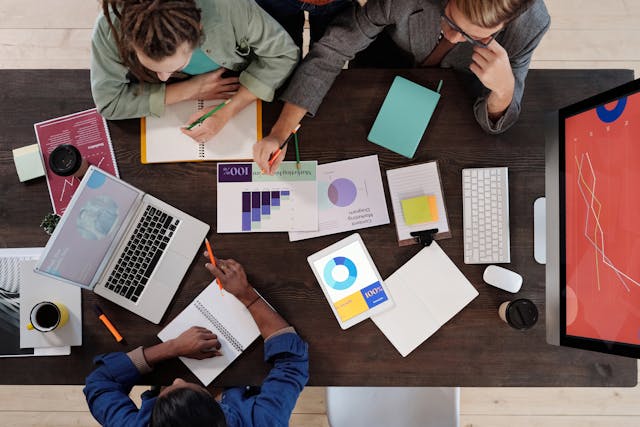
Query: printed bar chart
[250,201]
[258,206]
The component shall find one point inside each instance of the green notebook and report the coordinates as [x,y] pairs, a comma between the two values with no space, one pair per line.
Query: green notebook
[403,117]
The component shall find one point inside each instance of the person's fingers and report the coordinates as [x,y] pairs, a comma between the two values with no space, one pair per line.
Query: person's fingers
[276,163]
[495,47]
[215,270]
[260,155]
[209,345]
[479,59]
[483,53]
[217,73]
[475,69]
[229,81]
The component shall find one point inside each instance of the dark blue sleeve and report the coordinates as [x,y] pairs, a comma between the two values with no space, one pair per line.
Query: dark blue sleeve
[107,392]
[273,406]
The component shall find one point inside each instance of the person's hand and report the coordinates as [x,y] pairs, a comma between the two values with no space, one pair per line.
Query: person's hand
[196,343]
[264,149]
[209,127]
[212,85]
[492,67]
[233,278]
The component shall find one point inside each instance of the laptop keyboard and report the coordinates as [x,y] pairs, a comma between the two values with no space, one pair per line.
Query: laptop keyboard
[142,253]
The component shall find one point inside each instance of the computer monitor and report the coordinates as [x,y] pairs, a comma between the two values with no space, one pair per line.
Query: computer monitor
[593,223]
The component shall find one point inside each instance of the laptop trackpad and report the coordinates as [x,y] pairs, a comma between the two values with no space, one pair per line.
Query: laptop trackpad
[171,269]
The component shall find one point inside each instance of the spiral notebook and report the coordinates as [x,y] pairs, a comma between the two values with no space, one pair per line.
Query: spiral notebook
[161,140]
[226,317]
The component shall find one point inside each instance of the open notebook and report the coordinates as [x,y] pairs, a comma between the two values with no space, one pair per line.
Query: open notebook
[161,140]
[427,291]
[226,317]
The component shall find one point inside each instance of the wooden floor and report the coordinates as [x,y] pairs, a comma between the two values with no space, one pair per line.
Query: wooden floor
[584,34]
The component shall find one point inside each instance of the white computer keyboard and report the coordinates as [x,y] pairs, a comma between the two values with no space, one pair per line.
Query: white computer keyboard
[485,195]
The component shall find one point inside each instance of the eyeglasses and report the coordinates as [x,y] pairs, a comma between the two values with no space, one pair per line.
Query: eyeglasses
[483,43]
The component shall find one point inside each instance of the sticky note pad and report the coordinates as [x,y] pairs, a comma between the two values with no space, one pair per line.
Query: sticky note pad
[403,117]
[418,210]
[28,162]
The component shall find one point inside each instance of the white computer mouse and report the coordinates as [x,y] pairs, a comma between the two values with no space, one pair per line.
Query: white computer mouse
[502,278]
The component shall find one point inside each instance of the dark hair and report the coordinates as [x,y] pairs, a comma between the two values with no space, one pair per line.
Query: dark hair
[186,407]
[156,27]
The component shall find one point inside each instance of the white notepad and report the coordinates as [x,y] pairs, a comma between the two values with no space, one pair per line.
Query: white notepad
[413,181]
[226,317]
[428,291]
[161,140]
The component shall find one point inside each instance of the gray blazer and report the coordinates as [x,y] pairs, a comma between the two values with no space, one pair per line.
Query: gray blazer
[414,25]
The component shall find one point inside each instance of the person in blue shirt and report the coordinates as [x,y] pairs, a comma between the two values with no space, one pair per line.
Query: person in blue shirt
[187,404]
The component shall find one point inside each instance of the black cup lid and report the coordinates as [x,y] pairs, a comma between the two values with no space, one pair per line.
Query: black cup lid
[65,160]
[522,314]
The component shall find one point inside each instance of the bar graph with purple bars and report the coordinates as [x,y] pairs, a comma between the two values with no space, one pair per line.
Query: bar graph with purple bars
[257,206]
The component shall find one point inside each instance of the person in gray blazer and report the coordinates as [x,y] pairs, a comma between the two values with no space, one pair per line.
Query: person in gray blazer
[492,39]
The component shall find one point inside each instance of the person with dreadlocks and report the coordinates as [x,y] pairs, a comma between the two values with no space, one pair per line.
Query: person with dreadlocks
[146,54]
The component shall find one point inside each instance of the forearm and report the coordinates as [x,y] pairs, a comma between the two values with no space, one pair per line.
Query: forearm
[290,117]
[267,319]
[160,352]
[179,91]
[498,102]
[240,100]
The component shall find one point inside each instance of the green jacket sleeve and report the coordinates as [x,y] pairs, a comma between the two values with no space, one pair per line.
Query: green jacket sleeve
[273,54]
[115,96]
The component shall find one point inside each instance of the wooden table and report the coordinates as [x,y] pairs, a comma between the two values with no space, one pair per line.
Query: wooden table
[474,349]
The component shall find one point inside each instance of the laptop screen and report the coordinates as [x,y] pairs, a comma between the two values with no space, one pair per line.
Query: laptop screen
[88,228]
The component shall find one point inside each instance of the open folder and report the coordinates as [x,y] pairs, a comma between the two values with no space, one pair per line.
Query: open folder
[428,291]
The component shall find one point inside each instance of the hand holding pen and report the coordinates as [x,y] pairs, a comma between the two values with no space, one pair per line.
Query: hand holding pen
[269,152]
[203,127]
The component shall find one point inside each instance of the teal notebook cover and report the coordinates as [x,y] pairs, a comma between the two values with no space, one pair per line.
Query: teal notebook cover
[403,117]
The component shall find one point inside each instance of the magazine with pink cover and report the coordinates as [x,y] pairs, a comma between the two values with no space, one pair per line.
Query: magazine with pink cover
[88,132]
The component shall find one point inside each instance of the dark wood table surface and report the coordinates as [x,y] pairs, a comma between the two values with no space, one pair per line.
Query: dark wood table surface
[475,348]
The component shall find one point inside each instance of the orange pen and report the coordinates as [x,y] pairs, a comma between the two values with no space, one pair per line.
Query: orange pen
[275,155]
[213,261]
[107,323]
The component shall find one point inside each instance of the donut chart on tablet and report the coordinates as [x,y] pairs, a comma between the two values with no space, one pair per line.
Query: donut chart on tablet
[340,273]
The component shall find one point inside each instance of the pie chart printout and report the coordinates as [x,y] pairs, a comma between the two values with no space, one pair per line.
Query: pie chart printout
[342,192]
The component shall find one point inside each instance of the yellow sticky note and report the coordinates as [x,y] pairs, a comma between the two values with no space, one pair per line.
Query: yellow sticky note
[418,210]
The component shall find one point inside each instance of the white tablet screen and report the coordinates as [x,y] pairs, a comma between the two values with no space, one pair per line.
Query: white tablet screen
[351,281]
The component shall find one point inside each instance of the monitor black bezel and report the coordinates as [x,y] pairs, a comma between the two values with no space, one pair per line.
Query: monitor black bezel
[604,346]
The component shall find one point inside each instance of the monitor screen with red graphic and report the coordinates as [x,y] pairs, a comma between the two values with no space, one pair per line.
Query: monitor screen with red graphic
[601,227]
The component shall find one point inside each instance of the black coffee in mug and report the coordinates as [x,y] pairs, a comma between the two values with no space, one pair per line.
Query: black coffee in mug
[47,316]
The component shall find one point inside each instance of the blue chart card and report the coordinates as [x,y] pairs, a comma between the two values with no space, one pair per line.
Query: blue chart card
[403,117]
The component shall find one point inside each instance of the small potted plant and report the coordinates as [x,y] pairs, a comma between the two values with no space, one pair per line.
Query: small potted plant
[49,223]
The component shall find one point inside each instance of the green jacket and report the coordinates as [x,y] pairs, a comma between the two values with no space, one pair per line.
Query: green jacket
[238,35]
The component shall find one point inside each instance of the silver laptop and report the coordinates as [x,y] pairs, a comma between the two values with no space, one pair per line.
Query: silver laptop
[125,245]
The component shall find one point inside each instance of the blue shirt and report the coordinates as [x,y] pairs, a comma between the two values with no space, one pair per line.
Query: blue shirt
[108,386]
[199,63]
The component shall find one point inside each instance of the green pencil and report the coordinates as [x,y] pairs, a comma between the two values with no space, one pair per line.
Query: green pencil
[209,114]
[295,140]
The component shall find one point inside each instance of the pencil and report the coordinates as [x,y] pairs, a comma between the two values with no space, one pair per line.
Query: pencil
[209,114]
[295,139]
[275,155]
[213,262]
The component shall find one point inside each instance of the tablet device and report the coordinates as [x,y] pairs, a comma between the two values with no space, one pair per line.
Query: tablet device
[350,281]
